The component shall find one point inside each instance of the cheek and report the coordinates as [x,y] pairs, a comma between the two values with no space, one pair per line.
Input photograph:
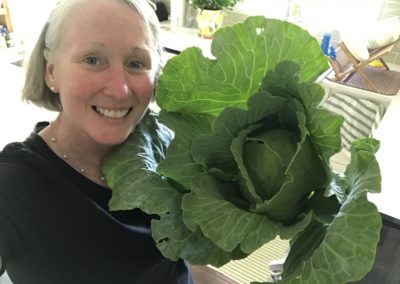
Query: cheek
[144,89]
[79,87]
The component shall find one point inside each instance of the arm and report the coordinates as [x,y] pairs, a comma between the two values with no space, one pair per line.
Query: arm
[11,179]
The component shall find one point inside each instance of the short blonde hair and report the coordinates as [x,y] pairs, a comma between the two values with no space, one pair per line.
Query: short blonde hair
[35,89]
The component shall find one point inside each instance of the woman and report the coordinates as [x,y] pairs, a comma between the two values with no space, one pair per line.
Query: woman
[95,62]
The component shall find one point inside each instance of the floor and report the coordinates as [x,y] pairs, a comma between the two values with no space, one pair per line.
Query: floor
[255,268]
[207,275]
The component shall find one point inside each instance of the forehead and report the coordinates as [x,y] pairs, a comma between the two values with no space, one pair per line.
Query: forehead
[104,18]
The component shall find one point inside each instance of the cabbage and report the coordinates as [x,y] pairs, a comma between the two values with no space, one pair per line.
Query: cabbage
[239,155]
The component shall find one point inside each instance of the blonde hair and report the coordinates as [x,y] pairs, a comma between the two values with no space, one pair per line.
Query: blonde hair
[35,89]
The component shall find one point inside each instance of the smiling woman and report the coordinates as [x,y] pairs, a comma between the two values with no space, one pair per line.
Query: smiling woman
[95,63]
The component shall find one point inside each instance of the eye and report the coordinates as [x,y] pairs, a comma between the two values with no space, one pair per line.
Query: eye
[92,60]
[136,64]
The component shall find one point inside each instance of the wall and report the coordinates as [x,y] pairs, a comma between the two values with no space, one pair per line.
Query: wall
[391,8]
[28,17]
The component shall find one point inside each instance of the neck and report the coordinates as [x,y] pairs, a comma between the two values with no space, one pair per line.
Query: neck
[76,148]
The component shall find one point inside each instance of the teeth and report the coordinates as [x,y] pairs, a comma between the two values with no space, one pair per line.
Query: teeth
[112,113]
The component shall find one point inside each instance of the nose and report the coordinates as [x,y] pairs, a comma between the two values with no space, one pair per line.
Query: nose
[116,83]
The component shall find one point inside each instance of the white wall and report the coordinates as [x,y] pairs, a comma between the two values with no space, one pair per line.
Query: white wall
[319,16]
[268,8]
[28,17]
[342,15]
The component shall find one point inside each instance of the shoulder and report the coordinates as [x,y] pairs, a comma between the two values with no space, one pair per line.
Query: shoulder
[24,151]
[15,150]
[11,157]
[18,164]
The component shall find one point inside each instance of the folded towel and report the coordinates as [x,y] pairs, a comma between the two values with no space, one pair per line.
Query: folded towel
[361,116]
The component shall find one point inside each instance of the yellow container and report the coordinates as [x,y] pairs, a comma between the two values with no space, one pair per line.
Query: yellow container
[208,22]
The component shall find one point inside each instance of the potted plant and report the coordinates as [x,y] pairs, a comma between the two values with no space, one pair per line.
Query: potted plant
[210,14]
[213,4]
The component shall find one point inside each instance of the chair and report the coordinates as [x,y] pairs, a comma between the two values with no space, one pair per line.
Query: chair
[348,70]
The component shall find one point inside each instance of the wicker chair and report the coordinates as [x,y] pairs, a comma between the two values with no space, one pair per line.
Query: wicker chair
[348,70]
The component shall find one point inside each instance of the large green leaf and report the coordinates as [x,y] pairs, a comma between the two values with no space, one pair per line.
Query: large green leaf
[130,171]
[243,54]
[180,165]
[347,252]
[175,241]
[343,250]
[213,206]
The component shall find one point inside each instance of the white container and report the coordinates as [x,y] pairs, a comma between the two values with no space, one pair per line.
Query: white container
[3,42]
[177,17]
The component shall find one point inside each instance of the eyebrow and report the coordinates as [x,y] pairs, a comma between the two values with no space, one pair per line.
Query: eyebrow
[92,43]
[132,50]
[139,50]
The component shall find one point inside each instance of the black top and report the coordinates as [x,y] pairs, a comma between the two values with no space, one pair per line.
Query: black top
[55,226]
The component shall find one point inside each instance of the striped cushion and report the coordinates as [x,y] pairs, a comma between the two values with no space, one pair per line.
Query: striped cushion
[361,116]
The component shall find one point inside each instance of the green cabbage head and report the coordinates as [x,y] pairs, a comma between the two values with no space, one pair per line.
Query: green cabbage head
[269,152]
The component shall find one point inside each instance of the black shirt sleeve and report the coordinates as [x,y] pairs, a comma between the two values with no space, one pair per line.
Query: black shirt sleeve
[13,200]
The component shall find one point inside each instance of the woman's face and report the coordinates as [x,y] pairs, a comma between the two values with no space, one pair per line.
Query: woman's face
[103,71]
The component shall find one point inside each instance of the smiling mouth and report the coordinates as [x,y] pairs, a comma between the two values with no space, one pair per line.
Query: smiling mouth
[111,113]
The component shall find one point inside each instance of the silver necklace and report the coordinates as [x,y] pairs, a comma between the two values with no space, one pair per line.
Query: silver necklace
[66,158]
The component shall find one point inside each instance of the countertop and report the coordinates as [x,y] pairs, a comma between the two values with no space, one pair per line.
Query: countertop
[388,156]
[182,38]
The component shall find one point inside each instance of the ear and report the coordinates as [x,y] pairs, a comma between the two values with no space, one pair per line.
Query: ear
[49,76]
